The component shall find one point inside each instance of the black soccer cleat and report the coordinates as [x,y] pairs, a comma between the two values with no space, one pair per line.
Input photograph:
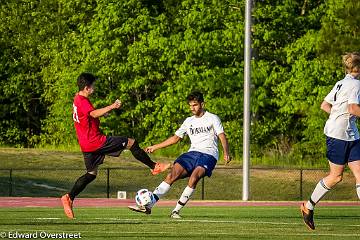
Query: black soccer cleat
[140,209]
[308,216]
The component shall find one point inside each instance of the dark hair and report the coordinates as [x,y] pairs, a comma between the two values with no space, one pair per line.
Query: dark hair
[195,96]
[85,80]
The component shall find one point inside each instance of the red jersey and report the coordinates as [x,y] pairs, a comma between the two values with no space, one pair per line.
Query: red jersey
[87,127]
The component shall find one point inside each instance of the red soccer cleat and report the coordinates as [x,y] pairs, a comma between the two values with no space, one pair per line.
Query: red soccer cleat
[160,167]
[67,204]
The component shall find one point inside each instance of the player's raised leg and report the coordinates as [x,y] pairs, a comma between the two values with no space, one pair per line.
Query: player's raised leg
[177,172]
[196,175]
[321,189]
[142,156]
[79,186]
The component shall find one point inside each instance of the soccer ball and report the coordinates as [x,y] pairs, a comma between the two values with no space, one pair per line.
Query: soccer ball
[144,197]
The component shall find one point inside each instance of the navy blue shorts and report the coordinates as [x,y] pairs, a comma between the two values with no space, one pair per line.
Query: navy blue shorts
[341,152]
[190,160]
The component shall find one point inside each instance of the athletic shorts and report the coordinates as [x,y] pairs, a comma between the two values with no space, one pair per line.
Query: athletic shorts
[113,146]
[341,152]
[190,160]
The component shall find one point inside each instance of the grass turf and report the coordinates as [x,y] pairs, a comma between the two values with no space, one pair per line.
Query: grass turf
[197,223]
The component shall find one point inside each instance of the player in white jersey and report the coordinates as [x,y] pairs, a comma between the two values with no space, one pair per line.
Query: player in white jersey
[342,135]
[204,129]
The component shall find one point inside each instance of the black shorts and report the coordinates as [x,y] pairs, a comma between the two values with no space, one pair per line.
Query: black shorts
[112,147]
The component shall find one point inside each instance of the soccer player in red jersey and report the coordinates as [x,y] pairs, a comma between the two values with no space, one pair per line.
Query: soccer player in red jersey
[95,145]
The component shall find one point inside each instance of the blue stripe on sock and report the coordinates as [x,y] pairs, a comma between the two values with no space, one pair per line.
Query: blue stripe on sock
[323,184]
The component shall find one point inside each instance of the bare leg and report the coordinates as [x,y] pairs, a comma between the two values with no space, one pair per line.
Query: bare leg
[325,184]
[335,175]
[177,172]
[355,168]
[196,175]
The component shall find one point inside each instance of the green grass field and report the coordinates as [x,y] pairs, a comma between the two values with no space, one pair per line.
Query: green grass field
[197,223]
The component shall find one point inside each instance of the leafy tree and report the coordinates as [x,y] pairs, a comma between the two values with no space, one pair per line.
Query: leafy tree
[151,54]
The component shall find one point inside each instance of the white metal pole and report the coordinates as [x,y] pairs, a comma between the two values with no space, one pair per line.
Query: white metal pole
[246,127]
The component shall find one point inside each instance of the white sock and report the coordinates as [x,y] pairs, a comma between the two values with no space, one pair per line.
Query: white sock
[319,192]
[185,196]
[358,189]
[160,191]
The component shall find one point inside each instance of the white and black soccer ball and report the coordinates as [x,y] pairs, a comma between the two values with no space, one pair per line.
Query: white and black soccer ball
[144,197]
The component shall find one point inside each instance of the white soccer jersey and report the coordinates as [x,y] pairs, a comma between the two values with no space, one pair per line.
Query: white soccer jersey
[341,124]
[203,133]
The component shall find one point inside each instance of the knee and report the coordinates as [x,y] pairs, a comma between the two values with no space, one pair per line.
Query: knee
[92,173]
[339,178]
[193,180]
[336,178]
[170,179]
[90,176]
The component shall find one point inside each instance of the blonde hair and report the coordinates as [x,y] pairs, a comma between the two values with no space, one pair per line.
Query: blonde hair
[351,62]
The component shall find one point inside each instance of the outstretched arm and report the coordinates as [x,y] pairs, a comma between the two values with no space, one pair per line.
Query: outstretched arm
[103,111]
[225,145]
[170,141]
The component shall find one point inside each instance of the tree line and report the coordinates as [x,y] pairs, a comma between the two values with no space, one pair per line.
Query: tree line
[151,54]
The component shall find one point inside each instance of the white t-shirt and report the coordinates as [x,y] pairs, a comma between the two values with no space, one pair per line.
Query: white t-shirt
[341,124]
[203,132]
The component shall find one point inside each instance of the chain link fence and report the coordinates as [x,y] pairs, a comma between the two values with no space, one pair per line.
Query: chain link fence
[225,184]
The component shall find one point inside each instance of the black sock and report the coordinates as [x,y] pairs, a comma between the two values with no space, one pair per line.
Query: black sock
[156,197]
[80,184]
[141,155]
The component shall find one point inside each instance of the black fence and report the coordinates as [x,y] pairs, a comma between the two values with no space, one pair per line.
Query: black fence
[225,184]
